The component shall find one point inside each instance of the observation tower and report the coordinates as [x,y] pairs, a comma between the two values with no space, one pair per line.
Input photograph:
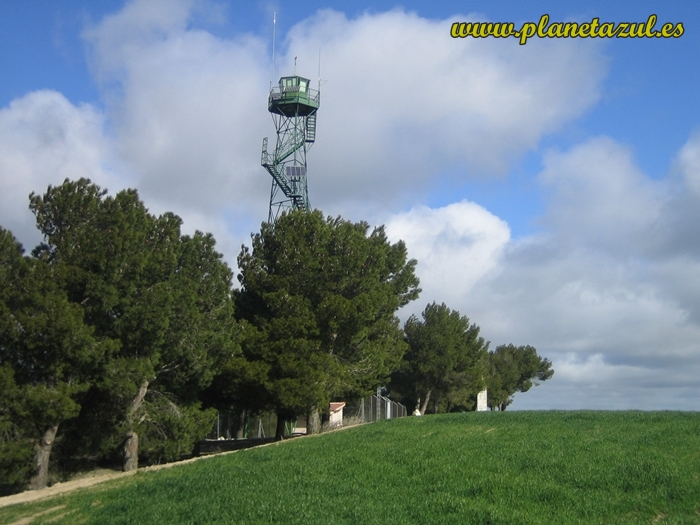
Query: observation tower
[293,106]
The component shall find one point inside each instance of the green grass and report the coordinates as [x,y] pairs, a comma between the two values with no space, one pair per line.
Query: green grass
[485,468]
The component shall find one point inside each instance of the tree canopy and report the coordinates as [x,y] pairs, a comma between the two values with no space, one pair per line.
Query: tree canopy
[163,298]
[319,296]
[118,326]
[445,361]
[514,369]
[48,352]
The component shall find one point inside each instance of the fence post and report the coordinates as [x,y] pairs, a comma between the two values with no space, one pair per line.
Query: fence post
[379,403]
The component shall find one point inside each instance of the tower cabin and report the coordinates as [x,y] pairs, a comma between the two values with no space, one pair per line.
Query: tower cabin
[293,97]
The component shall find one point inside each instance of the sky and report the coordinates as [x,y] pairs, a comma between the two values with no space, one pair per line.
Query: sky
[549,191]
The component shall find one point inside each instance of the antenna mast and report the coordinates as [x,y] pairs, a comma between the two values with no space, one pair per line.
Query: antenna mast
[274,30]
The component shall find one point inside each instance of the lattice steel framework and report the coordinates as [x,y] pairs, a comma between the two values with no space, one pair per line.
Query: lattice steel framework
[293,106]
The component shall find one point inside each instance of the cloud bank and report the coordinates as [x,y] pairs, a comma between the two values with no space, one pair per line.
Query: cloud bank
[184,111]
[608,288]
[608,291]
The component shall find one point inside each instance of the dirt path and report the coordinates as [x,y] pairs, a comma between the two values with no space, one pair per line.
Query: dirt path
[90,480]
[94,479]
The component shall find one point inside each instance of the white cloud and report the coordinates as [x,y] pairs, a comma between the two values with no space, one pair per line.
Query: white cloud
[601,291]
[404,101]
[184,112]
[594,383]
[596,293]
[44,139]
[599,197]
[455,246]
[187,108]
[689,163]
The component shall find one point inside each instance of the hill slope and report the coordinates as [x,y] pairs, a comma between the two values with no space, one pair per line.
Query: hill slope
[514,468]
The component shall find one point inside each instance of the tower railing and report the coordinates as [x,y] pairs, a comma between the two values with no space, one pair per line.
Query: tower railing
[273,165]
[312,94]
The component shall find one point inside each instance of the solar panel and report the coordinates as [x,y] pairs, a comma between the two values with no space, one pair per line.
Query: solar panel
[295,171]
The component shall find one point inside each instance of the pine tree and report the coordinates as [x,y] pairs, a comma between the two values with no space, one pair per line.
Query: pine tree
[319,297]
[445,362]
[164,298]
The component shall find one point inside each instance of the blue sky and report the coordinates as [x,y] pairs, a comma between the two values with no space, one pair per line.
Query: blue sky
[547,190]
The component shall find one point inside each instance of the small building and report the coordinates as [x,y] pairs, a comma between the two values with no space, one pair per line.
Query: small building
[482,401]
[336,414]
[335,418]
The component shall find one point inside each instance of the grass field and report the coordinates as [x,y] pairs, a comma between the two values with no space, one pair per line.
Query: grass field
[485,468]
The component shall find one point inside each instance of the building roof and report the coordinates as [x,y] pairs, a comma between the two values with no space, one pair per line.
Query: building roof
[337,406]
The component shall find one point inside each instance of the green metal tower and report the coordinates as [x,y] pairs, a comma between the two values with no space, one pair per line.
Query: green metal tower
[293,106]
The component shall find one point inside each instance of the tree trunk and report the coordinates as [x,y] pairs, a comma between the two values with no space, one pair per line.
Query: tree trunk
[313,422]
[424,407]
[131,445]
[241,424]
[279,431]
[131,452]
[42,454]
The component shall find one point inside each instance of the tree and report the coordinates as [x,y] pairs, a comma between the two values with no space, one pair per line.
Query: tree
[47,350]
[445,361]
[239,384]
[514,369]
[320,296]
[164,298]
[15,449]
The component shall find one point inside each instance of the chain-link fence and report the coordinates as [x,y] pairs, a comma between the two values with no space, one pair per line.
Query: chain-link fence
[373,408]
[366,410]
[228,421]
[224,427]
